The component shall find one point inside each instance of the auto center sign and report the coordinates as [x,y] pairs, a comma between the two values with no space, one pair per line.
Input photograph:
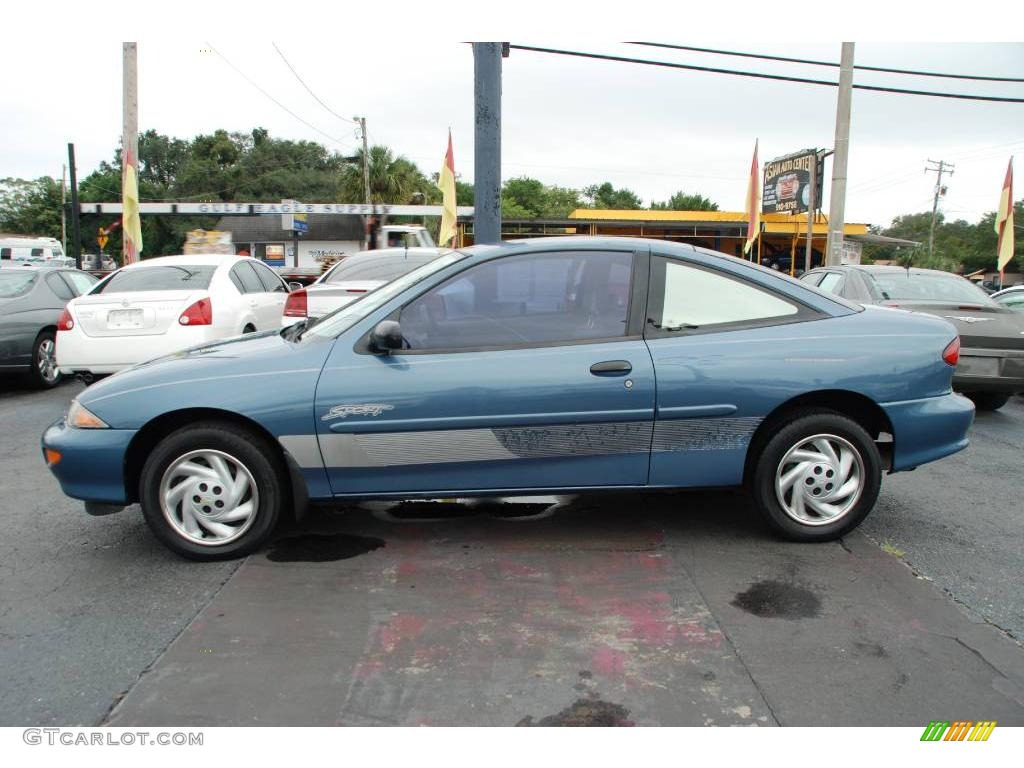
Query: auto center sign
[787,182]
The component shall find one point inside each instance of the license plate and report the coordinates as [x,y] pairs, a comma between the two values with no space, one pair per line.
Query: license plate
[124,318]
[978,366]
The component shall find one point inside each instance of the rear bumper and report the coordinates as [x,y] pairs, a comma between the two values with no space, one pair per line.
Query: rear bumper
[990,370]
[77,352]
[91,465]
[928,429]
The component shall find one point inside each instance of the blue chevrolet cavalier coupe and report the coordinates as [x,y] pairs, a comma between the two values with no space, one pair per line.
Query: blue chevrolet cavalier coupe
[547,366]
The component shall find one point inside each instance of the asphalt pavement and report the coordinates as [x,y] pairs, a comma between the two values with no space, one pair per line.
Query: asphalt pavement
[618,609]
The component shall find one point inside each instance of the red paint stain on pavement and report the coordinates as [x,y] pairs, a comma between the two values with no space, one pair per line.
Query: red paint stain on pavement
[401,628]
[608,661]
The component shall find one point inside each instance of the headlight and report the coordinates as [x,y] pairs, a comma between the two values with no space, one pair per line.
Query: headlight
[81,417]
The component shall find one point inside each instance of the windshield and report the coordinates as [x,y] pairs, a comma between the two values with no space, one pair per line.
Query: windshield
[177,277]
[340,320]
[15,283]
[377,267]
[926,286]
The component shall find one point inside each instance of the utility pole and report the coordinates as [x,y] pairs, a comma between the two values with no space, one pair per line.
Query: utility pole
[64,209]
[76,232]
[366,160]
[487,149]
[130,135]
[812,203]
[941,167]
[366,179]
[837,199]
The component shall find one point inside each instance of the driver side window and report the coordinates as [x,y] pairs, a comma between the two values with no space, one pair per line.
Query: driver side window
[524,300]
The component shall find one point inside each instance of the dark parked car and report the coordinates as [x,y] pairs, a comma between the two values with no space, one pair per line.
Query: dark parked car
[991,366]
[31,301]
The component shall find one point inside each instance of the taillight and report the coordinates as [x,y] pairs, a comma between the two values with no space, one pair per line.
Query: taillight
[951,354]
[65,323]
[200,313]
[296,305]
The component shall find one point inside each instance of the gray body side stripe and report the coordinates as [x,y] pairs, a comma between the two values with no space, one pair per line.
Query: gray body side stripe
[389,449]
[704,434]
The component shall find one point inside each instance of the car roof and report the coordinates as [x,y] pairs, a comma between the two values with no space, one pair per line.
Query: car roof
[195,259]
[428,253]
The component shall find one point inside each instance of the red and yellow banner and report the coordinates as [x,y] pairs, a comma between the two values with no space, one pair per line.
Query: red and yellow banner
[446,183]
[131,225]
[753,206]
[1004,222]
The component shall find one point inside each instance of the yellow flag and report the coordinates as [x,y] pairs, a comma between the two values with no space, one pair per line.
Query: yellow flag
[753,205]
[446,183]
[131,226]
[1004,222]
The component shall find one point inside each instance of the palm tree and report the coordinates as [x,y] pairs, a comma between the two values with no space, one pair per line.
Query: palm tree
[393,180]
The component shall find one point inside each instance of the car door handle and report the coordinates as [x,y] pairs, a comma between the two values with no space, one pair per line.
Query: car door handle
[611,368]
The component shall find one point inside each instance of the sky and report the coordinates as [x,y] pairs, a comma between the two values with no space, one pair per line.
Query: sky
[566,121]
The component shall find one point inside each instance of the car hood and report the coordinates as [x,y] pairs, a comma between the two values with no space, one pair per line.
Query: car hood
[221,365]
[979,326]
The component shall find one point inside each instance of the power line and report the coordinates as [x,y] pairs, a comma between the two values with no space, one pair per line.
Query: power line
[762,75]
[310,90]
[834,63]
[282,106]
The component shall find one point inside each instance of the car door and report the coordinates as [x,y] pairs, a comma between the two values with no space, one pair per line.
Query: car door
[275,292]
[713,339]
[524,371]
[248,282]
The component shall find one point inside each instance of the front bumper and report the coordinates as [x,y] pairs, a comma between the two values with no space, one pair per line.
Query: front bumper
[928,429]
[990,370]
[92,461]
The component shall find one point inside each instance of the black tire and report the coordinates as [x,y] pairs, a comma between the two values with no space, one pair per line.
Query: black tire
[237,447]
[988,401]
[43,373]
[791,434]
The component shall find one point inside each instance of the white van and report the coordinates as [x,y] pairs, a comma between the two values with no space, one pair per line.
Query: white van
[30,250]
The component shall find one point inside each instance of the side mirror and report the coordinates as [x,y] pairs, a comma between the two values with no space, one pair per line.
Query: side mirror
[293,286]
[386,336]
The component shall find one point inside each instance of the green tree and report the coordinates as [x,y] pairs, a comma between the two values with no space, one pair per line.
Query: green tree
[30,207]
[393,179]
[528,198]
[684,201]
[606,196]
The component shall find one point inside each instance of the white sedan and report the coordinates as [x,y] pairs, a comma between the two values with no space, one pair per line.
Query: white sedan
[164,305]
[352,277]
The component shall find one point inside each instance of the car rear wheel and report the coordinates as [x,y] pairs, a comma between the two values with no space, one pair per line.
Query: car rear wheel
[212,491]
[817,477]
[988,401]
[44,373]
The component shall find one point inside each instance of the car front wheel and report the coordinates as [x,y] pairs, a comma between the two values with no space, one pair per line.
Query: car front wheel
[817,477]
[212,491]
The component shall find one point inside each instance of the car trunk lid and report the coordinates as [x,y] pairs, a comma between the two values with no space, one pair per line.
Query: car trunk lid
[327,297]
[134,313]
[980,326]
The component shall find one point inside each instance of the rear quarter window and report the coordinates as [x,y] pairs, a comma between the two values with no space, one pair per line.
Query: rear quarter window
[14,284]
